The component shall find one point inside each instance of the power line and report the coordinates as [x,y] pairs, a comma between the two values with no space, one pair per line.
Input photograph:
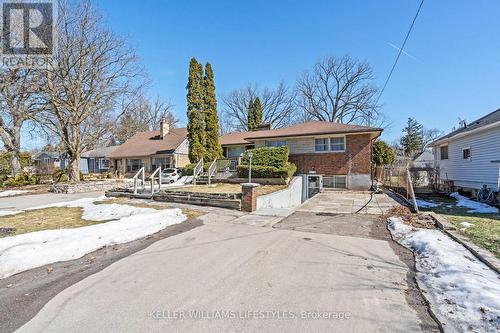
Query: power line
[400,51]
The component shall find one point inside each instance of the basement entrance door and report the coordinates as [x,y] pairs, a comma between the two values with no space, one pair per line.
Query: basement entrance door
[314,185]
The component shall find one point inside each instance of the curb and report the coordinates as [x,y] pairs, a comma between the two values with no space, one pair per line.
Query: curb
[483,255]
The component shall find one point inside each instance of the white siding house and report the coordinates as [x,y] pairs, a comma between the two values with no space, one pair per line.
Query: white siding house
[470,156]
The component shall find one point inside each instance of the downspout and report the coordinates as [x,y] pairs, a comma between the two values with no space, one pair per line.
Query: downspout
[373,188]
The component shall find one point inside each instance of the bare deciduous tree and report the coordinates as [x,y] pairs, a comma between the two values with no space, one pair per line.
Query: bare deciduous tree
[140,114]
[430,135]
[278,104]
[338,90]
[19,102]
[92,69]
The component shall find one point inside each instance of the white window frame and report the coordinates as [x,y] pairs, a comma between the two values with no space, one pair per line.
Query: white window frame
[102,163]
[470,153]
[329,147]
[335,181]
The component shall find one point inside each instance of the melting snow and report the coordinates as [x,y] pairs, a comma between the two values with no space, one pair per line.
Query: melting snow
[474,206]
[10,193]
[22,252]
[426,204]
[463,292]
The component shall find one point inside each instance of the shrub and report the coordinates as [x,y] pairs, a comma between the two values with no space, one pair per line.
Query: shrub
[261,171]
[59,175]
[188,170]
[267,156]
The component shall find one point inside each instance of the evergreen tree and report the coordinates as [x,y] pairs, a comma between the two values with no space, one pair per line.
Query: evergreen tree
[213,149]
[250,116]
[383,154]
[413,140]
[257,112]
[195,114]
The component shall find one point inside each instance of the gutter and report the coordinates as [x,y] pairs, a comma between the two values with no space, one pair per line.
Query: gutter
[461,134]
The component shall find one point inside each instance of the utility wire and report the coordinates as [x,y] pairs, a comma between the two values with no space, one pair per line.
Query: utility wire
[400,51]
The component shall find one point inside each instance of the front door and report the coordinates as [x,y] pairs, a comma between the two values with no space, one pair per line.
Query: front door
[314,185]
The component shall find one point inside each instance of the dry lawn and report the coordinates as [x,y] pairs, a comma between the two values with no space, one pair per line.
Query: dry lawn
[228,188]
[44,219]
[190,213]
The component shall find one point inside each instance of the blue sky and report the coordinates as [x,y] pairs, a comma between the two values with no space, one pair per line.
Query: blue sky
[452,72]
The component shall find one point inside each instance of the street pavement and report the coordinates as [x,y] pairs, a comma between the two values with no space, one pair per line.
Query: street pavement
[33,200]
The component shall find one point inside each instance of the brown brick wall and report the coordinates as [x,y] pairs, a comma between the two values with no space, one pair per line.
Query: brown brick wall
[356,159]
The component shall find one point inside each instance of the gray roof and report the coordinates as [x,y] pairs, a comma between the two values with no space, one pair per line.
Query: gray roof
[490,118]
[50,154]
[99,152]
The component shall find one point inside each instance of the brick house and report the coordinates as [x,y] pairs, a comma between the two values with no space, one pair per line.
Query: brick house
[334,155]
[167,148]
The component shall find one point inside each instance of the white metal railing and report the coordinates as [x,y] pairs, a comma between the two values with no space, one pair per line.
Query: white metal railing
[212,170]
[136,178]
[197,170]
[152,179]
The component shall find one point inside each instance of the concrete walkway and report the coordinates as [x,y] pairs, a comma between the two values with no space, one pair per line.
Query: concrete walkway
[345,202]
[258,279]
[27,201]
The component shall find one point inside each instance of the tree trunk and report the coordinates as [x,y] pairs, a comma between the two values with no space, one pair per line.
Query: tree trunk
[15,162]
[74,168]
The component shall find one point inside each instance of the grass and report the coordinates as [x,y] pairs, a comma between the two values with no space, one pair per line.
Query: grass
[190,213]
[228,188]
[65,217]
[44,219]
[485,229]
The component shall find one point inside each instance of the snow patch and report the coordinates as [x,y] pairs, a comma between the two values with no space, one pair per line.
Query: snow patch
[426,204]
[10,193]
[463,292]
[474,206]
[26,251]
[466,225]
[9,212]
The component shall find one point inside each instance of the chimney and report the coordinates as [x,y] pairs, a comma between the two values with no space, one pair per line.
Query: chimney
[263,127]
[164,127]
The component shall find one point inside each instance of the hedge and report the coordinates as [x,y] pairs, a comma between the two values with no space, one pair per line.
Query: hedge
[267,156]
[260,171]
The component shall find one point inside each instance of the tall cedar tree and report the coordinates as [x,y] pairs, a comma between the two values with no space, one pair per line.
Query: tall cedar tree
[213,148]
[196,117]
[257,112]
[250,116]
[413,139]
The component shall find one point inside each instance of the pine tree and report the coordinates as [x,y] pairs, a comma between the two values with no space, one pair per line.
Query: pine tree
[413,139]
[251,116]
[195,114]
[213,149]
[257,112]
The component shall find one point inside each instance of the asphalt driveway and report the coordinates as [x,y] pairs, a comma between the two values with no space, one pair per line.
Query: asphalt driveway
[239,278]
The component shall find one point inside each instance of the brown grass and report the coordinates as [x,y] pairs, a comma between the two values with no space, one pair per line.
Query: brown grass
[190,213]
[44,219]
[228,188]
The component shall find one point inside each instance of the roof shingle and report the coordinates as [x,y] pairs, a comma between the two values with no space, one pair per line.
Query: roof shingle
[149,143]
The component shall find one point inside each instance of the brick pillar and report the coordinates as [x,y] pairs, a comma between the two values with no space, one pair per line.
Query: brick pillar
[249,197]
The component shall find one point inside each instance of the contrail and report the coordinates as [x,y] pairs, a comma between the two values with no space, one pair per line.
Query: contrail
[403,51]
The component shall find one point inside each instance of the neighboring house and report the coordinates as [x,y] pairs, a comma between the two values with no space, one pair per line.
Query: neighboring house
[469,157]
[46,162]
[332,155]
[97,160]
[151,149]
[424,160]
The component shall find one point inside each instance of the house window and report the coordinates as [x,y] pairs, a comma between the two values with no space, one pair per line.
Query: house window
[466,153]
[336,181]
[134,165]
[321,145]
[275,143]
[444,152]
[337,144]
[163,162]
[103,163]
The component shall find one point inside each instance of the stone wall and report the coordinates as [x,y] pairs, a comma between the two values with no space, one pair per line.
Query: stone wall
[88,186]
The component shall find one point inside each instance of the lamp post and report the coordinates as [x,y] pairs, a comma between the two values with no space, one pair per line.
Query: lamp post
[250,155]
